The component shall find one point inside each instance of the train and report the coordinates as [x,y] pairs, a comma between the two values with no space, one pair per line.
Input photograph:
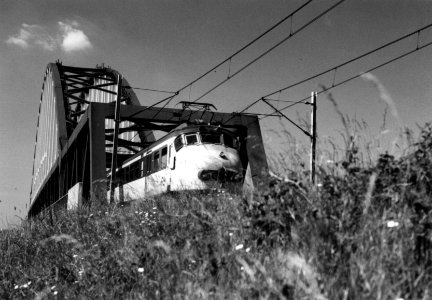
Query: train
[188,158]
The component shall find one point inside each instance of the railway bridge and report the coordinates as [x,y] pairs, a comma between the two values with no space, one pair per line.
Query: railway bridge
[78,142]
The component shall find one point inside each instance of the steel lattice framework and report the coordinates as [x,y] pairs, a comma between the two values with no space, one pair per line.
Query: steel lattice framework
[75,132]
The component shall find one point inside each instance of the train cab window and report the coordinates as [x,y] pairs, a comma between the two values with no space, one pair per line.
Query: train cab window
[211,138]
[191,139]
[156,162]
[178,142]
[164,158]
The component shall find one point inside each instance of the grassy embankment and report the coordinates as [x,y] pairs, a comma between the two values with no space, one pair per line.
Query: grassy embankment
[365,233]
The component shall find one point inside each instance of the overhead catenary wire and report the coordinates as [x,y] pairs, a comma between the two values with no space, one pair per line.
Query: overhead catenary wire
[335,68]
[293,33]
[149,90]
[245,46]
[357,76]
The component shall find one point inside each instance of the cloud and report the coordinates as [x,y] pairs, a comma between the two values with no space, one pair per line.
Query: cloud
[67,37]
[73,39]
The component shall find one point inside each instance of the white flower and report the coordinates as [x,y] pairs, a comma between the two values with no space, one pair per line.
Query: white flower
[238,247]
[247,249]
[391,224]
[55,293]
[16,286]
[140,270]
[230,234]
[53,287]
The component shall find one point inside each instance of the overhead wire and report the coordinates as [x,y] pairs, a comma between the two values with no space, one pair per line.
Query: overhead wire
[357,76]
[292,33]
[245,46]
[149,90]
[335,68]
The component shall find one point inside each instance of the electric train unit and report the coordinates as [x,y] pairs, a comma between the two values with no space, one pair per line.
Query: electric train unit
[195,157]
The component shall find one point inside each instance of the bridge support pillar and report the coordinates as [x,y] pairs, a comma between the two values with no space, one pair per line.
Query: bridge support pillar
[98,180]
[257,167]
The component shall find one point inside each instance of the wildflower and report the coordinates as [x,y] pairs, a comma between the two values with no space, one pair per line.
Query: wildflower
[16,286]
[140,270]
[238,247]
[91,215]
[230,234]
[53,287]
[75,255]
[247,249]
[55,293]
[391,224]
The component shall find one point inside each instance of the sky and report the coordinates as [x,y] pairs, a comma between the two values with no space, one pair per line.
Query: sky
[165,44]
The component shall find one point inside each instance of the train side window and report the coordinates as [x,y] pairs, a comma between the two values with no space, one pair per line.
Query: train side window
[164,157]
[178,142]
[191,139]
[148,164]
[135,170]
[143,167]
[156,162]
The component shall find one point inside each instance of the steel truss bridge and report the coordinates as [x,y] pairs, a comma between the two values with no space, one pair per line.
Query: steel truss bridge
[76,133]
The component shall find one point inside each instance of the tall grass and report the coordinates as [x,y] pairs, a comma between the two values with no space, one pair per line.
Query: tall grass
[365,232]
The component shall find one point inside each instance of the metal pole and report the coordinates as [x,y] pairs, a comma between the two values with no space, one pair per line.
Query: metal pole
[115,142]
[313,137]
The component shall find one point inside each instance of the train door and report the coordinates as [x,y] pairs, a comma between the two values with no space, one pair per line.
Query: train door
[164,174]
[170,167]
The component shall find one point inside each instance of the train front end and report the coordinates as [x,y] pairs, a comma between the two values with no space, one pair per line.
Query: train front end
[206,157]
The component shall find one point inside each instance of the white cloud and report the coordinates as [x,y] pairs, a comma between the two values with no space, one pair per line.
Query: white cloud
[68,37]
[73,39]
[22,39]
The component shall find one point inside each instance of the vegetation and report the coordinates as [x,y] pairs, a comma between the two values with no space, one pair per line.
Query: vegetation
[365,232]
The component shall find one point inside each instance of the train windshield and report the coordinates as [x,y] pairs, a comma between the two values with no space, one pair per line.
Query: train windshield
[191,139]
[217,138]
[211,138]
[206,138]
